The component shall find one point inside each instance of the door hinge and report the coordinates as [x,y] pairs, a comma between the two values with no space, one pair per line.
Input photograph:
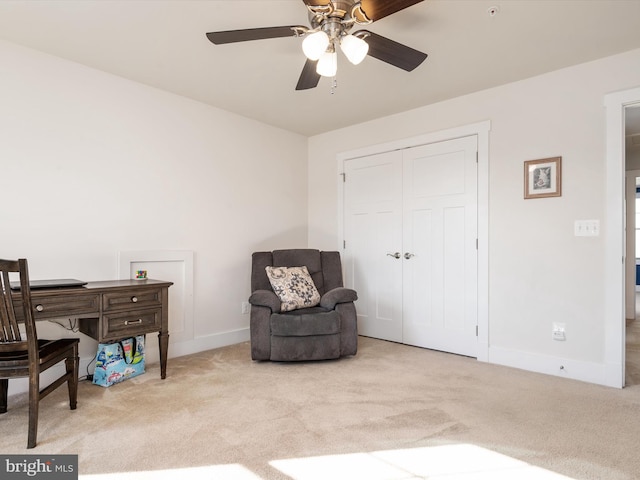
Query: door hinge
[476,157]
[344,244]
[476,330]
[476,243]
[344,177]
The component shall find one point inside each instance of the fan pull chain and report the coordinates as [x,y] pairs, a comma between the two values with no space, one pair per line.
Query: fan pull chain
[334,85]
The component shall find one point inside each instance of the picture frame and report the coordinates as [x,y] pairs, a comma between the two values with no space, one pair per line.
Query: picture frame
[543,178]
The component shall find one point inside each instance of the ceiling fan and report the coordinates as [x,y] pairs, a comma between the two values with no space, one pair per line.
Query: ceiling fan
[331,21]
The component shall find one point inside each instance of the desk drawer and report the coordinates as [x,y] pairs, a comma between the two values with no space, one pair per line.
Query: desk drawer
[139,298]
[131,323]
[65,306]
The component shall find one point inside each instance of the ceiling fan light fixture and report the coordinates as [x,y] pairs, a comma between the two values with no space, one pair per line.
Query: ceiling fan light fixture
[354,48]
[315,45]
[330,22]
[328,64]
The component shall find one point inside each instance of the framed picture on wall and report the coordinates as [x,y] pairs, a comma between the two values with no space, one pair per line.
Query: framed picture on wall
[543,178]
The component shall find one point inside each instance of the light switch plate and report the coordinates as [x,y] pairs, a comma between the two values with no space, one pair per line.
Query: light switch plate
[587,228]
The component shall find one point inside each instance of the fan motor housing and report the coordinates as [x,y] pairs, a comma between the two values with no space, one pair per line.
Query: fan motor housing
[342,7]
[334,19]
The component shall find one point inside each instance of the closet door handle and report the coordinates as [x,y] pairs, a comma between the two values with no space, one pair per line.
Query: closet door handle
[394,255]
[408,255]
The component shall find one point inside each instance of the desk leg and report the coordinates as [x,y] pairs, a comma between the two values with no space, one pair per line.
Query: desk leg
[163,343]
[163,335]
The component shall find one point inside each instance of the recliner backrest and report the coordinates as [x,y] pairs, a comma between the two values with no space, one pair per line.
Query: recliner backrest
[324,267]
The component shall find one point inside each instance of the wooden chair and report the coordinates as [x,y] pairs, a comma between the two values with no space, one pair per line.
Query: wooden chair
[29,357]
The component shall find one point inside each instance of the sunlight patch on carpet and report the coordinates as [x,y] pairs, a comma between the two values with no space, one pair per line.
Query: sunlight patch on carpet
[446,462]
[450,462]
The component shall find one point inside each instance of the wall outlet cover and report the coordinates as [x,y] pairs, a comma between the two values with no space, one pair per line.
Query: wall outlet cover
[558,331]
[245,307]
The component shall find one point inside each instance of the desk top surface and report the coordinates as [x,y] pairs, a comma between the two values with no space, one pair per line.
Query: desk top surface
[124,283]
[96,287]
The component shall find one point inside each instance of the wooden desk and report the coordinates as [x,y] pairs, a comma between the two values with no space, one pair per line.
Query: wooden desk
[112,310]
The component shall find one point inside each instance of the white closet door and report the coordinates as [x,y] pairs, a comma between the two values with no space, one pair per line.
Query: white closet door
[439,241]
[410,253]
[373,236]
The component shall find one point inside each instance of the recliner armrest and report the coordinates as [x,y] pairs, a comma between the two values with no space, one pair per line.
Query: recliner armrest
[266,298]
[338,295]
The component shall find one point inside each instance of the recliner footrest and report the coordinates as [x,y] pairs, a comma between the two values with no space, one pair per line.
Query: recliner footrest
[314,347]
[304,324]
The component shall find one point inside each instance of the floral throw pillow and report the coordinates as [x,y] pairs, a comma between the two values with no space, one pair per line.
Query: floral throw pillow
[294,286]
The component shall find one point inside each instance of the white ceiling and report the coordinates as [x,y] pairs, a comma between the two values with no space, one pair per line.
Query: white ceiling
[163,44]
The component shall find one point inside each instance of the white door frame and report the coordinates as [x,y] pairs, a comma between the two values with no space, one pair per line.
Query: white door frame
[481,129]
[614,323]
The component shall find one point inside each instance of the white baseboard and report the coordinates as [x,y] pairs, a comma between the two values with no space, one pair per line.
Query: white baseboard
[209,342]
[560,367]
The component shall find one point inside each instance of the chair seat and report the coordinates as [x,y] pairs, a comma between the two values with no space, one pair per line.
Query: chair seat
[301,323]
[50,351]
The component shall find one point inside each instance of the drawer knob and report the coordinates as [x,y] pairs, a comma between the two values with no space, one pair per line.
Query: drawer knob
[135,322]
[39,308]
[134,299]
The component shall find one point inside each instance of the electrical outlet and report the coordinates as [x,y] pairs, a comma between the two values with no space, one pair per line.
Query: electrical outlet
[558,332]
[245,307]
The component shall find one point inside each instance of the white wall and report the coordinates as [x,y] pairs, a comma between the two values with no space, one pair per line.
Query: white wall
[539,272]
[95,164]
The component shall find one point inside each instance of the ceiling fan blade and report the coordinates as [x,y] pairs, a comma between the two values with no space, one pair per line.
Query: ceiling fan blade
[309,78]
[391,52]
[377,9]
[233,36]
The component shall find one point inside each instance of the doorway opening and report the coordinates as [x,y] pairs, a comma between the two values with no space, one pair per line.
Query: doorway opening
[632,271]
[616,105]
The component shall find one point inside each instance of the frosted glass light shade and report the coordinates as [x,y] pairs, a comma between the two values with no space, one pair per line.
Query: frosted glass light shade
[315,45]
[354,48]
[327,64]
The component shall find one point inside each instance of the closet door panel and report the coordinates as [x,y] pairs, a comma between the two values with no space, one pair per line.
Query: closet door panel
[373,235]
[440,266]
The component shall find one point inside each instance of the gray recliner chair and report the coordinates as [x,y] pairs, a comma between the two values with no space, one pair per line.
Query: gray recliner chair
[325,331]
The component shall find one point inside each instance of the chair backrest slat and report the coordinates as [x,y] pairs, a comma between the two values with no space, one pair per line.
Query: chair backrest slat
[9,331]
[9,326]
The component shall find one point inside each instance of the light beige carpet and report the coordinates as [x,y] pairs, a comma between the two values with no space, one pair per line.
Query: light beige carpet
[391,412]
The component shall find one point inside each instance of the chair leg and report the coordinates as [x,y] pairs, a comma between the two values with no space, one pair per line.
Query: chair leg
[4,387]
[34,402]
[72,364]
